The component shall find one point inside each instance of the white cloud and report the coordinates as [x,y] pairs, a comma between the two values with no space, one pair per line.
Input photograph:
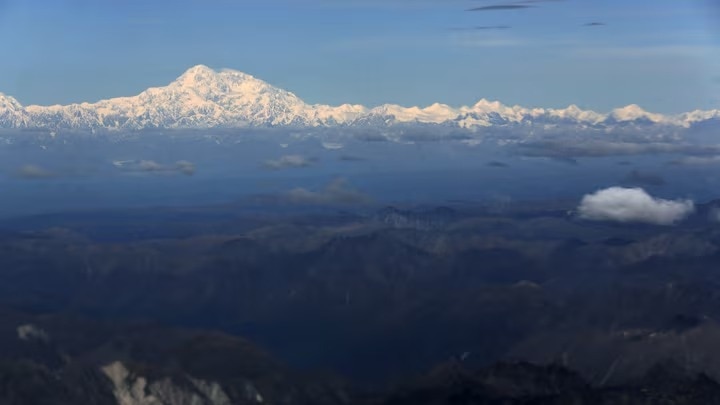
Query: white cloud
[632,205]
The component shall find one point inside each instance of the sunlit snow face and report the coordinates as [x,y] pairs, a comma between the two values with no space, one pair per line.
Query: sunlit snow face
[203,98]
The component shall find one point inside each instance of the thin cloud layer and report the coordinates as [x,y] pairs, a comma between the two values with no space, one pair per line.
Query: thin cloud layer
[336,192]
[698,160]
[498,7]
[151,166]
[185,167]
[539,1]
[492,27]
[575,148]
[483,28]
[33,172]
[626,205]
[289,161]
[332,145]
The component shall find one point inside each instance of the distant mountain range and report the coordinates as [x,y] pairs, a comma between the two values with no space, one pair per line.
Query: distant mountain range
[204,98]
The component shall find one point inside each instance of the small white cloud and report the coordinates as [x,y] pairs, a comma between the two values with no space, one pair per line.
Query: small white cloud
[289,161]
[632,205]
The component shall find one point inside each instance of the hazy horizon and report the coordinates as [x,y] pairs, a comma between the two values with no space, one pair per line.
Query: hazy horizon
[661,55]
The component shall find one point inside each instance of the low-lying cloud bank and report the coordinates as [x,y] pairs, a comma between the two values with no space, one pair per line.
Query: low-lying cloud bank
[601,148]
[151,166]
[620,204]
[336,192]
[289,161]
[32,172]
[698,160]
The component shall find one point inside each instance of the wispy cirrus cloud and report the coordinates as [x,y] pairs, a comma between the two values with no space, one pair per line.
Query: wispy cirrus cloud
[500,7]
[483,28]
[514,5]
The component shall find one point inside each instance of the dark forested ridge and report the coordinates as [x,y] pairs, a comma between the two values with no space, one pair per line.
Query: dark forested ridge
[447,304]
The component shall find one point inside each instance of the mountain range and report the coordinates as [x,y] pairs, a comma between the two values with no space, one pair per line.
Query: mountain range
[204,98]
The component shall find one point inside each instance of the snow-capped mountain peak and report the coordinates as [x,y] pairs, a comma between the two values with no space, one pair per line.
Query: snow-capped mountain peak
[634,112]
[12,114]
[202,97]
[210,83]
[195,74]
[8,102]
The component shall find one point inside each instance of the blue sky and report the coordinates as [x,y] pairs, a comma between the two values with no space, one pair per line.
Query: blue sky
[661,54]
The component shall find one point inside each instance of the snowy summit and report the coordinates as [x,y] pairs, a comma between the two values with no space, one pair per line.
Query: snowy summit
[204,98]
